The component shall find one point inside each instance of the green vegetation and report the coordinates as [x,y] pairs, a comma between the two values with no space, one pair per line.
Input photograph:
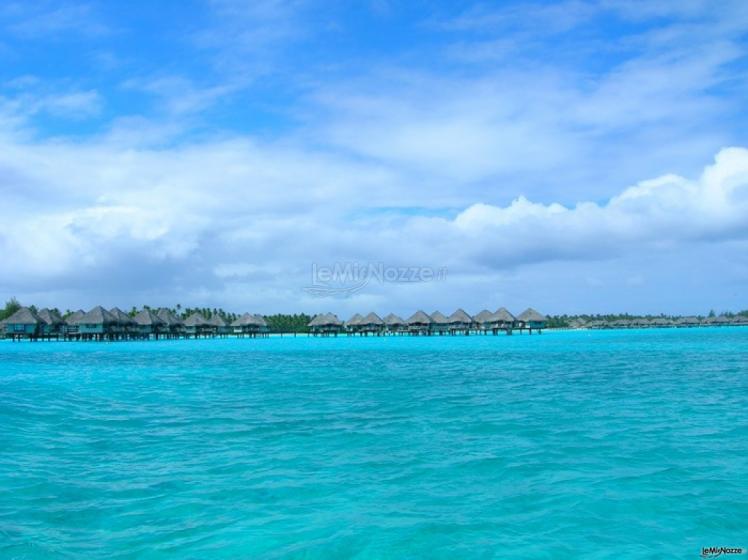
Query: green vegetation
[280,323]
[11,306]
[561,321]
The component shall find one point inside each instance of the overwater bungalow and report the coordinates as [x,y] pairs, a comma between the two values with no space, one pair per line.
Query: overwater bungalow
[126,325]
[419,323]
[97,324]
[248,325]
[351,325]
[395,324]
[439,323]
[739,320]
[484,320]
[220,325]
[721,321]
[197,325]
[173,325]
[24,323]
[149,324]
[71,326]
[371,324]
[325,324]
[264,327]
[505,320]
[530,319]
[52,323]
[459,322]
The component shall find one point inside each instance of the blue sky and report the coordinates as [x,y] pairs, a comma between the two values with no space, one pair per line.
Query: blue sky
[577,156]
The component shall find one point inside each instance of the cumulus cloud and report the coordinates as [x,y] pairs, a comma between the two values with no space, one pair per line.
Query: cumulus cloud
[653,214]
[247,220]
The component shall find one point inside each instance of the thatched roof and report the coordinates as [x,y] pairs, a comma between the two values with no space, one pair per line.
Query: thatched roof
[249,320]
[485,316]
[196,320]
[245,320]
[73,317]
[325,320]
[24,316]
[217,321]
[147,318]
[371,319]
[97,316]
[438,318]
[419,318]
[503,316]
[393,320]
[460,316]
[530,315]
[355,320]
[721,320]
[122,317]
[168,317]
[50,317]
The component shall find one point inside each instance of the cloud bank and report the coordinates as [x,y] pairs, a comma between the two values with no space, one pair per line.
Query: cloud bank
[233,215]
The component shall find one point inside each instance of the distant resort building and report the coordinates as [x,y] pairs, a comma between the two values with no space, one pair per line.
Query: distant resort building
[326,324]
[115,324]
[196,325]
[419,323]
[220,326]
[173,326]
[149,324]
[351,325]
[250,325]
[24,323]
[530,319]
[52,323]
[423,324]
[97,324]
[504,319]
[460,322]
[484,320]
[371,324]
[439,323]
[395,324]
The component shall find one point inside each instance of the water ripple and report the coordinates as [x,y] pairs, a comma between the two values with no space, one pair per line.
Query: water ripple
[598,445]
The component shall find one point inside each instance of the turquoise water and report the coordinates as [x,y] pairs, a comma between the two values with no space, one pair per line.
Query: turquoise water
[608,444]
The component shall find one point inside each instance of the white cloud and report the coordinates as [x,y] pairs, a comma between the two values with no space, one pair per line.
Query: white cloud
[19,109]
[662,212]
[180,95]
[239,219]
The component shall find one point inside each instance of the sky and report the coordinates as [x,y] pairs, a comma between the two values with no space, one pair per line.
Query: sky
[581,156]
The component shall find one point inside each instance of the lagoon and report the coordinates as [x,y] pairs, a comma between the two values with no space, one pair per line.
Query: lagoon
[585,444]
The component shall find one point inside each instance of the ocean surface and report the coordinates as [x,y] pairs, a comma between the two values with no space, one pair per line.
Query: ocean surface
[585,444]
